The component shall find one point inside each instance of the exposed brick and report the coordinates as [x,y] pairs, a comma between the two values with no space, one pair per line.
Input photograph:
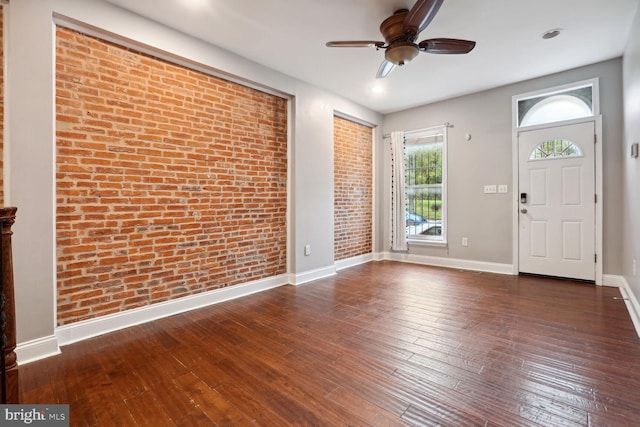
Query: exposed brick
[169,181]
[353,198]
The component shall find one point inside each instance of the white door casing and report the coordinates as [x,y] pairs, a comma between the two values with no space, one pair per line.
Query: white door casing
[556,224]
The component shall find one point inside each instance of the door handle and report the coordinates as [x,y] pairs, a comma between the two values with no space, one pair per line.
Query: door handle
[523,210]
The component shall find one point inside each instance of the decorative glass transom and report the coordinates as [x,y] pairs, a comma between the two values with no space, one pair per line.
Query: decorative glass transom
[555,148]
[572,101]
[556,108]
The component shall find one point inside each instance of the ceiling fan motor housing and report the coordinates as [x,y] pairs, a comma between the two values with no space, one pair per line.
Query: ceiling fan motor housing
[392,28]
[401,48]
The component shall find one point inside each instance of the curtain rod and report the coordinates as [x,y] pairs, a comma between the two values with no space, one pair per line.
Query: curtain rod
[446,124]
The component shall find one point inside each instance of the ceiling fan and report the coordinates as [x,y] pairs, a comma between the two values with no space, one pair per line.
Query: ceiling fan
[400,32]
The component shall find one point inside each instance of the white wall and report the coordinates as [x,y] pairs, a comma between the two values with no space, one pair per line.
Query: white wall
[631,167]
[30,146]
[487,159]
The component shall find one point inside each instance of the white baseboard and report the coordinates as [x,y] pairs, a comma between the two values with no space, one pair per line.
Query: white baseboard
[79,331]
[37,349]
[463,264]
[316,274]
[352,262]
[49,346]
[613,281]
[630,300]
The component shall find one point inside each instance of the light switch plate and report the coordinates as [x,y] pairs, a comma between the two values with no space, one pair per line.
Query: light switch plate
[503,188]
[489,189]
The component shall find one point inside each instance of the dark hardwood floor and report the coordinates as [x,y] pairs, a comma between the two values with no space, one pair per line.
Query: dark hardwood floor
[382,344]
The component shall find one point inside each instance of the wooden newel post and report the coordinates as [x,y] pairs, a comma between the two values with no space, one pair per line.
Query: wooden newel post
[10,382]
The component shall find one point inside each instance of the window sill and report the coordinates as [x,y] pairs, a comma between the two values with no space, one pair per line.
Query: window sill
[427,243]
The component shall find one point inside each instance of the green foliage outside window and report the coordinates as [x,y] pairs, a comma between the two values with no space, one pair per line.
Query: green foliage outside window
[423,180]
[423,164]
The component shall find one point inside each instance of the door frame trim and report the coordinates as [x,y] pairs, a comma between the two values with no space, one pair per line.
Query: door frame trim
[597,121]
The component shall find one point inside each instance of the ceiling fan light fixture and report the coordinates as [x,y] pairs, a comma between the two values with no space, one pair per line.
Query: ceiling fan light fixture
[401,52]
[400,32]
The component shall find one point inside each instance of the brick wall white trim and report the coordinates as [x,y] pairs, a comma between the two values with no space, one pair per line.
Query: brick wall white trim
[79,331]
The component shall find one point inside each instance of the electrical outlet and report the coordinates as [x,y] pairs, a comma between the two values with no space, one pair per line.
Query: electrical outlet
[307,250]
[490,189]
[465,241]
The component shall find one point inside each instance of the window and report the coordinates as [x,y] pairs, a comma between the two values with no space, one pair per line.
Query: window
[425,184]
[569,102]
[556,108]
[555,148]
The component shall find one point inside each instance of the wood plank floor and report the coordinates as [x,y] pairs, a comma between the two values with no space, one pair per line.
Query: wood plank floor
[382,344]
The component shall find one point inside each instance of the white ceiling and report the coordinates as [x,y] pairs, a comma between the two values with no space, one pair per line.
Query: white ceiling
[290,35]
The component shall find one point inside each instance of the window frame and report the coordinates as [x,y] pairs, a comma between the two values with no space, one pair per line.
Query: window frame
[426,240]
[593,84]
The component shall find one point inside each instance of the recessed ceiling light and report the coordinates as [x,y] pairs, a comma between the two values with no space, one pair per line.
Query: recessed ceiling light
[551,33]
[377,89]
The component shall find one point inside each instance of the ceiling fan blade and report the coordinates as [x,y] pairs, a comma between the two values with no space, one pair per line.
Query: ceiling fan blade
[420,15]
[446,46]
[355,43]
[385,69]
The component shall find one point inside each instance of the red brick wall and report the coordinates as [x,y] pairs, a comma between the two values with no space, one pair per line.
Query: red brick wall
[169,182]
[353,159]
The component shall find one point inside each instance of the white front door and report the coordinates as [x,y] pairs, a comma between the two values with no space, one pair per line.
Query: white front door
[557,201]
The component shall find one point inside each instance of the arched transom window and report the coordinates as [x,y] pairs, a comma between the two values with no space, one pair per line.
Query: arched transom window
[556,108]
[557,105]
[555,149]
